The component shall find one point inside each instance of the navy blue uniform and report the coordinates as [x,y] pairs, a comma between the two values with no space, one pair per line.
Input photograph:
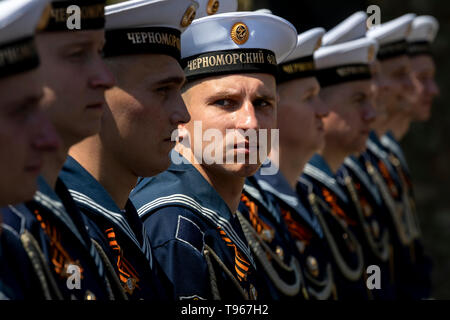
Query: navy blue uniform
[18,278]
[412,274]
[333,209]
[306,234]
[195,237]
[272,245]
[58,235]
[127,245]
[372,217]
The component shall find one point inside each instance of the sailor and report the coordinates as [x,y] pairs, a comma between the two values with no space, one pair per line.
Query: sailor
[25,136]
[143,109]
[397,95]
[364,196]
[423,33]
[230,62]
[52,228]
[346,88]
[274,210]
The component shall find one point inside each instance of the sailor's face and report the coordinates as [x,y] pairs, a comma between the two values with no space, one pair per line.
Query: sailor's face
[232,111]
[75,81]
[424,69]
[25,134]
[300,113]
[398,91]
[379,82]
[352,112]
[144,109]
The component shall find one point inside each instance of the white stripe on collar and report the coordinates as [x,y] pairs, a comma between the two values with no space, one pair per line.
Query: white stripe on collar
[117,219]
[60,211]
[363,176]
[208,213]
[395,149]
[330,182]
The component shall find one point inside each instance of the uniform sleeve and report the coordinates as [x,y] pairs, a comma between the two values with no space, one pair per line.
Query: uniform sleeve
[18,280]
[177,243]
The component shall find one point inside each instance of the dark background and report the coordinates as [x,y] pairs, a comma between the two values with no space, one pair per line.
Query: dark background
[426,145]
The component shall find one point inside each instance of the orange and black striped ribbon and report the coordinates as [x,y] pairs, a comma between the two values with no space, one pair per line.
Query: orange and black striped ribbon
[331,199]
[387,177]
[126,270]
[296,229]
[255,220]
[59,256]
[241,265]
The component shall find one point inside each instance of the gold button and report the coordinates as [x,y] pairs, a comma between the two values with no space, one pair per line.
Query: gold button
[280,252]
[89,296]
[312,265]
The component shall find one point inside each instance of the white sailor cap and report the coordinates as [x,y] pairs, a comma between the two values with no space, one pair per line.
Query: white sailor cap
[147,26]
[92,15]
[391,36]
[300,63]
[264,10]
[19,20]
[423,32]
[210,7]
[236,42]
[348,61]
[352,28]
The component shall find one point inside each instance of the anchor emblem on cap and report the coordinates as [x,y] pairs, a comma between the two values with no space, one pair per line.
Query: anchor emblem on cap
[239,33]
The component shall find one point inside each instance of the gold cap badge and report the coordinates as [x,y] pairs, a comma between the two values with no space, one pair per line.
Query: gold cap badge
[371,53]
[188,16]
[212,7]
[318,44]
[408,31]
[45,18]
[240,33]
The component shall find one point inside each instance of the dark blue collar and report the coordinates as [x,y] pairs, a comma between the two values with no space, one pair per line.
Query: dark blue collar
[278,186]
[183,179]
[47,197]
[352,164]
[392,144]
[318,169]
[90,195]
[182,185]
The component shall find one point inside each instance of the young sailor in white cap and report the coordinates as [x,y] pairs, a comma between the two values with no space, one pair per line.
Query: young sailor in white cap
[230,61]
[144,108]
[423,33]
[399,91]
[346,88]
[352,28]
[270,202]
[74,84]
[25,134]
[397,95]
[365,201]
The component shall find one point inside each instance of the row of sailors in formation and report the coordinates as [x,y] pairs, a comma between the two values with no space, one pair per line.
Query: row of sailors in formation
[84,131]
